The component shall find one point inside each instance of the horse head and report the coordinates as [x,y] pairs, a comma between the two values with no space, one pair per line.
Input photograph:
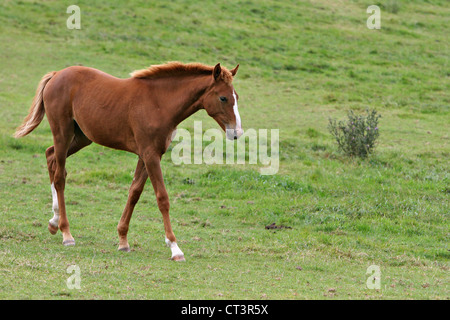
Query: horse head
[221,102]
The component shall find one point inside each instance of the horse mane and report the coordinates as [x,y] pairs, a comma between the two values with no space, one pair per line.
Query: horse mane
[178,69]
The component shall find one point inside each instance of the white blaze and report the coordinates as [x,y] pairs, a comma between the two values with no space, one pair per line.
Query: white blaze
[236,132]
[236,112]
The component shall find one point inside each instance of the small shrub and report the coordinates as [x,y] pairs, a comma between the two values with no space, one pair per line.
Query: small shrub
[392,6]
[357,135]
[312,133]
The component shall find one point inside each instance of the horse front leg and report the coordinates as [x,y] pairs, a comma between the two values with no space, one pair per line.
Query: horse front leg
[140,177]
[153,165]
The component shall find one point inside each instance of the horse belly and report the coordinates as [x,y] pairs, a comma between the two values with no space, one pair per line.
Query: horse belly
[106,126]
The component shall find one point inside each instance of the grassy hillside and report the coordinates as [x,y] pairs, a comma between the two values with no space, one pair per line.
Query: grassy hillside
[301,62]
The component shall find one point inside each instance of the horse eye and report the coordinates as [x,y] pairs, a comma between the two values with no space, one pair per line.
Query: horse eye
[223,99]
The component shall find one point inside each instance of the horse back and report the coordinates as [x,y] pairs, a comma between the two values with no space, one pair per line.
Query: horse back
[98,102]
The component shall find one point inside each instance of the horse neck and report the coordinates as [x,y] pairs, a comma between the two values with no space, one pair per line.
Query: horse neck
[188,92]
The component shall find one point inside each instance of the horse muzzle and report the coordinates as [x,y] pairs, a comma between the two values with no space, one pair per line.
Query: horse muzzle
[233,134]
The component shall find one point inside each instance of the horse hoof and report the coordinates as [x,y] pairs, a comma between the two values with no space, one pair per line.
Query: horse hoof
[52,229]
[178,258]
[69,242]
[125,249]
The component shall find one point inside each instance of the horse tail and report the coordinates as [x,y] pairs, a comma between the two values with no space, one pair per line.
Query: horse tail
[37,111]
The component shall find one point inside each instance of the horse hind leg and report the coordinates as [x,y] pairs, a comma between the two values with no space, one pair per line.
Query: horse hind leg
[79,141]
[51,165]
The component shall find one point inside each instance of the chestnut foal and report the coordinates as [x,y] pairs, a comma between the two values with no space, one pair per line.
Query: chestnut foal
[138,114]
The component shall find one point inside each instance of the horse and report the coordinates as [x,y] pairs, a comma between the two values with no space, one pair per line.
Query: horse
[138,114]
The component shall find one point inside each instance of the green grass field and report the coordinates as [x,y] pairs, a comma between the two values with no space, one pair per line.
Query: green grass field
[301,62]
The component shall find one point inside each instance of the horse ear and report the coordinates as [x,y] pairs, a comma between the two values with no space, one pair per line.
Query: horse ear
[234,71]
[217,71]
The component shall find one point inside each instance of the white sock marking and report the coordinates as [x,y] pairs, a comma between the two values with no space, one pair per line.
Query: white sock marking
[55,220]
[174,248]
